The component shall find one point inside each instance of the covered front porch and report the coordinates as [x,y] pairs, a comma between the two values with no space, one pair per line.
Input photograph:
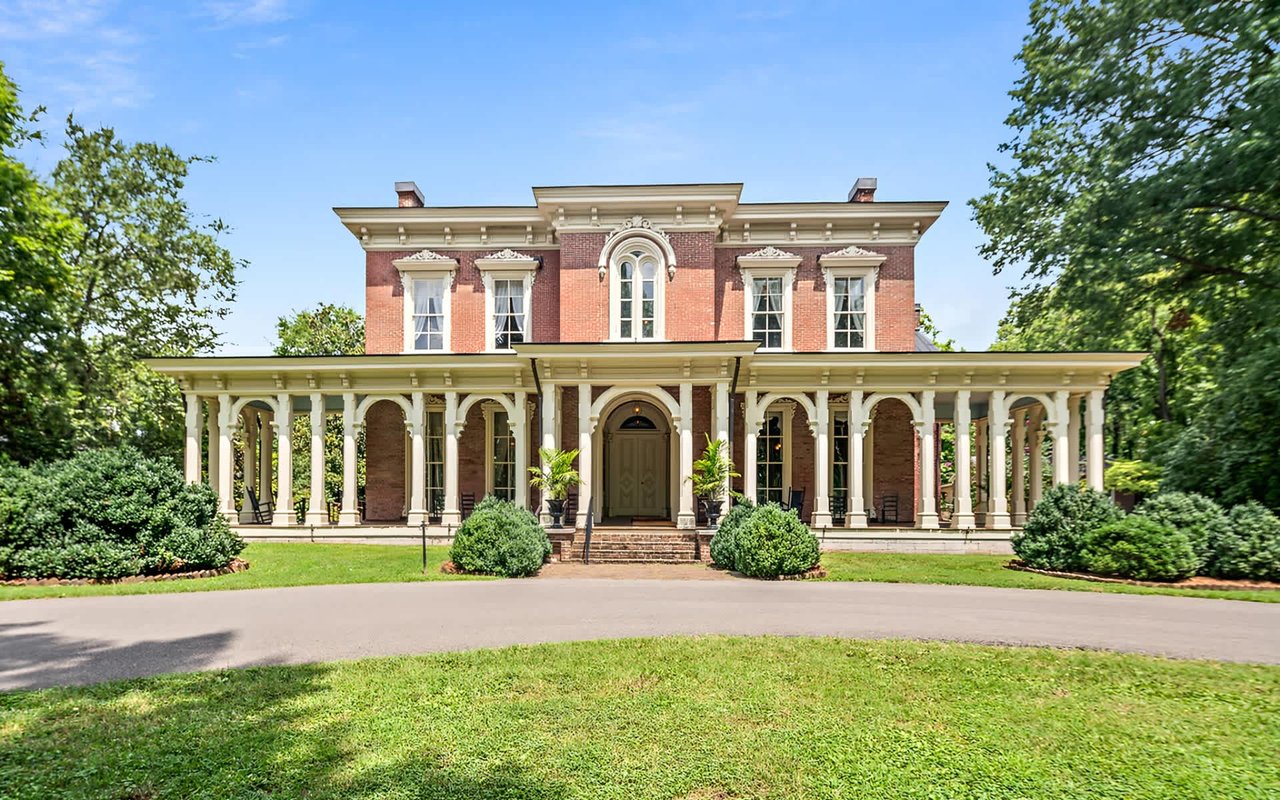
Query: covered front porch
[854,441]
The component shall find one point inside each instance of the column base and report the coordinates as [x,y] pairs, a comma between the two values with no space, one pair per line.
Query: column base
[448,517]
[282,518]
[820,520]
[686,522]
[416,517]
[579,521]
[317,517]
[232,516]
[246,516]
[855,519]
[963,522]
[999,522]
[349,519]
[928,521]
[1019,519]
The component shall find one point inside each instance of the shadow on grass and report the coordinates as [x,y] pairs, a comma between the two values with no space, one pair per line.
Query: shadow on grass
[257,732]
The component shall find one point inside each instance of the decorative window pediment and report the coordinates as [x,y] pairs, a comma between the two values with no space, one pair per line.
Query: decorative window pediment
[850,275]
[427,261]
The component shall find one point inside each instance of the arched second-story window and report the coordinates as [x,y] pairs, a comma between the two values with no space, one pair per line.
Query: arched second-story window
[637,293]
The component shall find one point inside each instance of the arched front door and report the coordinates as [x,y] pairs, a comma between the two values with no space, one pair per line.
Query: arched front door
[637,462]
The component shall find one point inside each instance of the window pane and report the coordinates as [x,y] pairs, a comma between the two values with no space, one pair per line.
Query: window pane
[647,329]
[625,328]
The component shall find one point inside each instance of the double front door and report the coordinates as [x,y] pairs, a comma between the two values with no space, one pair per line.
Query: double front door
[636,474]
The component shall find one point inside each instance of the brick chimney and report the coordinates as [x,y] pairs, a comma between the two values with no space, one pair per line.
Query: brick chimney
[410,196]
[863,191]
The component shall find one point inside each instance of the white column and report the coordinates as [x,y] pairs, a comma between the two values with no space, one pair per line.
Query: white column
[1036,460]
[550,437]
[520,437]
[1061,439]
[869,462]
[226,459]
[585,460]
[1094,446]
[265,428]
[249,424]
[980,468]
[997,433]
[1019,475]
[350,511]
[317,511]
[821,517]
[1073,439]
[928,463]
[856,514]
[418,467]
[686,519]
[751,430]
[284,463]
[962,516]
[721,408]
[213,427]
[191,456]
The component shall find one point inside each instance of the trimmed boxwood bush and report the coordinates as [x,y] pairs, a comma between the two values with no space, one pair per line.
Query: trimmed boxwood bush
[1139,548]
[772,542]
[500,538]
[1251,548]
[1053,537]
[108,513]
[723,549]
[1202,520]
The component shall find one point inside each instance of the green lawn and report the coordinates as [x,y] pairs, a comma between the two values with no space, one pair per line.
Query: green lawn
[668,718]
[283,564]
[978,570]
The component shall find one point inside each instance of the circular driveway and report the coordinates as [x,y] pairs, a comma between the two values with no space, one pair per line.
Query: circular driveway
[91,639]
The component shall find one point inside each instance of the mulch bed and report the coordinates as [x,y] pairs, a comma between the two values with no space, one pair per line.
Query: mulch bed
[1195,582]
[236,565]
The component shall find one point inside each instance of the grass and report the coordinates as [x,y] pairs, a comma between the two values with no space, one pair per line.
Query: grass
[981,570]
[282,564]
[668,718]
[304,564]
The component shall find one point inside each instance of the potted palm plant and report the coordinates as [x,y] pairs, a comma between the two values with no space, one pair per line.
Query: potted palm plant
[555,478]
[710,478]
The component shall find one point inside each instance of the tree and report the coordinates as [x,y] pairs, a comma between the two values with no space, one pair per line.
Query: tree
[148,278]
[1142,203]
[33,237]
[326,330]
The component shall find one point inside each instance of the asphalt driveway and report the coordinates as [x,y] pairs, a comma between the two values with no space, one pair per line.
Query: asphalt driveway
[91,639]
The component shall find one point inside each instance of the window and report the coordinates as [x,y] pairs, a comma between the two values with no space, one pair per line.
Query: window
[435,463]
[840,465]
[502,462]
[428,319]
[849,322]
[767,312]
[508,313]
[770,460]
[637,296]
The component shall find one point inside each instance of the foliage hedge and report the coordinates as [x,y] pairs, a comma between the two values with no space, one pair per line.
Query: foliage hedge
[500,538]
[108,514]
[1053,537]
[772,542]
[1252,547]
[1203,521]
[1139,548]
[723,544]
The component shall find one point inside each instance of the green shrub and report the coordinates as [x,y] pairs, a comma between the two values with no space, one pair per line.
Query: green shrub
[1135,477]
[107,514]
[1053,537]
[772,542]
[1202,520]
[500,538]
[723,549]
[1251,549]
[1139,548]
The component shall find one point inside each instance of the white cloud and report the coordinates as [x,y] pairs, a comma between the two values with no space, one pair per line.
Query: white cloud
[48,19]
[650,132]
[248,12]
[244,50]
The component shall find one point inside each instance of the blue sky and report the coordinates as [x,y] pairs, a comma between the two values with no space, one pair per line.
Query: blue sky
[310,105]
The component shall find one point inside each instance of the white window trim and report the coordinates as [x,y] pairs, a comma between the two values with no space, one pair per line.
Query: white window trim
[768,262]
[506,265]
[491,408]
[786,410]
[661,277]
[426,265]
[852,262]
